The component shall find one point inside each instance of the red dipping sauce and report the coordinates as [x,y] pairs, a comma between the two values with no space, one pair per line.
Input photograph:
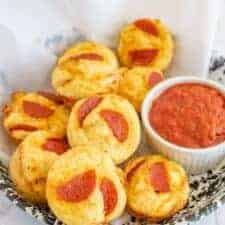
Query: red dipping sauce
[189,115]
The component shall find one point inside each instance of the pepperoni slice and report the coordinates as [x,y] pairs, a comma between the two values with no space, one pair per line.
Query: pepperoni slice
[57,145]
[134,169]
[78,188]
[110,196]
[59,99]
[55,98]
[117,124]
[147,26]
[36,110]
[89,56]
[23,127]
[159,178]
[154,78]
[143,56]
[87,107]
[68,101]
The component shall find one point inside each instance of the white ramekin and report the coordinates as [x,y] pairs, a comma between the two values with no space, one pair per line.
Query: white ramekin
[194,160]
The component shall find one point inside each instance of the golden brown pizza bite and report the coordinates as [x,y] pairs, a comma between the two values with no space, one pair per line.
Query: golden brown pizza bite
[85,69]
[108,121]
[136,82]
[28,112]
[146,42]
[31,161]
[84,187]
[158,182]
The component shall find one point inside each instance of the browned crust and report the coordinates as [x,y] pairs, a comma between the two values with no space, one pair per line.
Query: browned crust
[28,194]
[172,58]
[7,110]
[132,171]
[152,219]
[131,165]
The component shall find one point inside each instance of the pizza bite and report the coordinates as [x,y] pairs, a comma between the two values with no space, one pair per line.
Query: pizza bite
[157,188]
[85,187]
[31,161]
[136,82]
[108,121]
[85,69]
[29,112]
[146,42]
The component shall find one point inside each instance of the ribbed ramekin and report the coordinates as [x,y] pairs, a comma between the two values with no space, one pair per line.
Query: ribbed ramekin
[194,160]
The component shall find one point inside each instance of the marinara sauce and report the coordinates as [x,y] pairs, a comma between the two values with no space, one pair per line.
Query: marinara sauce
[189,115]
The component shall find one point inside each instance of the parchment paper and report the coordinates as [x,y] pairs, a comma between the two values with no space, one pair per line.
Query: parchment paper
[34,33]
